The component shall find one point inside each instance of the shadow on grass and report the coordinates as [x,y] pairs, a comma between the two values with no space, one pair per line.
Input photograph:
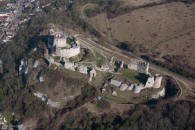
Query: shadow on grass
[142,78]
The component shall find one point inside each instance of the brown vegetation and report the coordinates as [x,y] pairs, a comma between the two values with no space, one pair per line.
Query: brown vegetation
[159,30]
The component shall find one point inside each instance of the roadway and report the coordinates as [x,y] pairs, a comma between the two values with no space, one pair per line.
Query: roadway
[127,56]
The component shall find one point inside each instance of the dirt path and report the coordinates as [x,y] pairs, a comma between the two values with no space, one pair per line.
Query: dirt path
[82,10]
[173,37]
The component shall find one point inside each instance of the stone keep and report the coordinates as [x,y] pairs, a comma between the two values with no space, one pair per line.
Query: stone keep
[64,49]
[59,41]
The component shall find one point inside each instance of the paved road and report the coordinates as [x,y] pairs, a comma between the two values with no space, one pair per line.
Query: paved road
[113,51]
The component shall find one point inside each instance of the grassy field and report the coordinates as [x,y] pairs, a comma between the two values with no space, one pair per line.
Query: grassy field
[132,76]
[100,59]
[88,57]
[75,59]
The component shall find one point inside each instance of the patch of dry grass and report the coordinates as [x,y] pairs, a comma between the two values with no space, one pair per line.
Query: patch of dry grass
[161,29]
[138,2]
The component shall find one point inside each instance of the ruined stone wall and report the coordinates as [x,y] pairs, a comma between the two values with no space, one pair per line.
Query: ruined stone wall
[140,66]
[68,53]
[143,67]
[157,83]
[59,42]
[133,66]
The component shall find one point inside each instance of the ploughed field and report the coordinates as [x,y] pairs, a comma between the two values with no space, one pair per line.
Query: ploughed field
[164,32]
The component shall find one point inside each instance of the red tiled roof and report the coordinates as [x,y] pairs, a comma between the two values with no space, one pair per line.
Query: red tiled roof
[2,18]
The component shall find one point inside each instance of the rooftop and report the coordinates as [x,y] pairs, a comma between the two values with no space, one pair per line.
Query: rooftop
[115,82]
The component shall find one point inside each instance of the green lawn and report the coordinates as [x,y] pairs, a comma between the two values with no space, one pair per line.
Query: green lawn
[75,59]
[100,59]
[9,117]
[133,76]
[89,57]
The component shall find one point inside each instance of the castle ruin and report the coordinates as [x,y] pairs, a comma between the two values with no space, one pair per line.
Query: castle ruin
[63,45]
[140,66]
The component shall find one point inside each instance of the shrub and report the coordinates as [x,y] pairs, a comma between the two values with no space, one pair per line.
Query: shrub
[9,117]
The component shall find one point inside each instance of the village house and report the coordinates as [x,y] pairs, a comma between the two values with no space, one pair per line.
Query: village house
[115,82]
[123,87]
[6,12]
[137,88]
[152,82]
[130,88]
